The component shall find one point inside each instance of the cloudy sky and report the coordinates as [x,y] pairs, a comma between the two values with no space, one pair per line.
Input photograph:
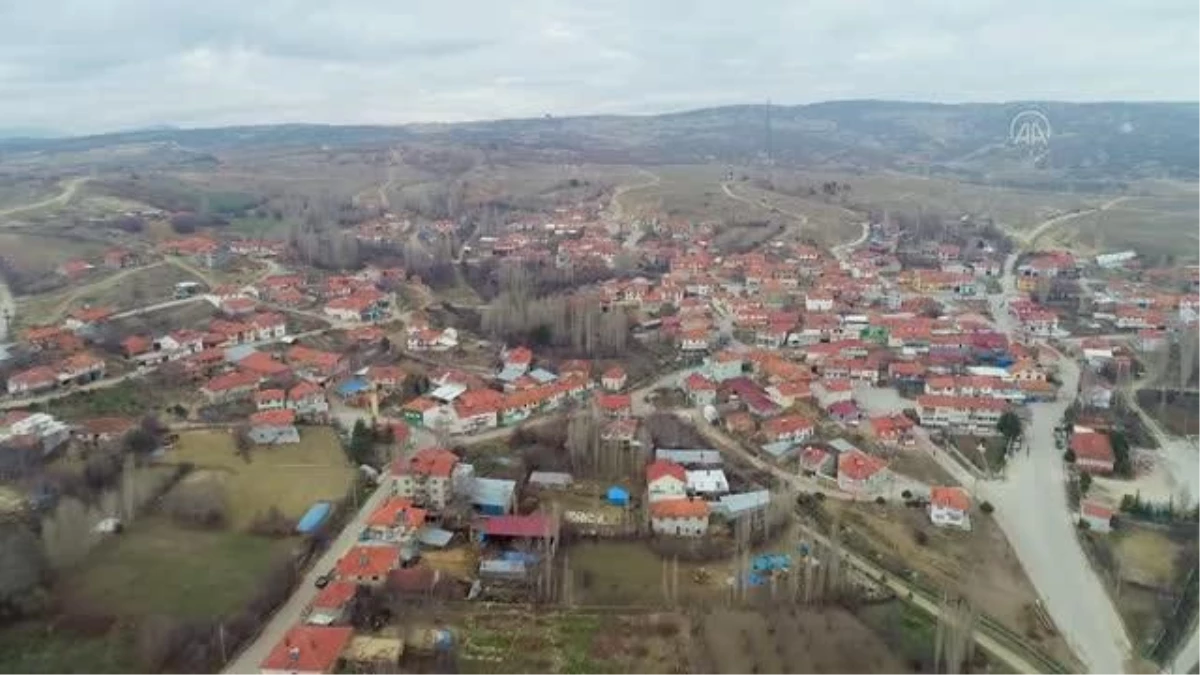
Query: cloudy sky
[95,65]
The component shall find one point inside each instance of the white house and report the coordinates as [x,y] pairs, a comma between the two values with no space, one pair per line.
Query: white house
[707,482]
[665,481]
[818,302]
[860,473]
[948,507]
[679,517]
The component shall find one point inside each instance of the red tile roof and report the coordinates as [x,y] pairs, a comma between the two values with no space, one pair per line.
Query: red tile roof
[534,525]
[858,465]
[396,510]
[662,467]
[261,363]
[950,498]
[614,402]
[1093,446]
[367,561]
[428,462]
[679,508]
[309,649]
[335,595]
[229,381]
[273,418]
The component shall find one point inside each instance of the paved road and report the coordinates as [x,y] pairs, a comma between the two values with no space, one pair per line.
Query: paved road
[1188,657]
[1032,510]
[293,610]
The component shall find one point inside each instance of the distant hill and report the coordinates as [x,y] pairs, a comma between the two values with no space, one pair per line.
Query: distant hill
[1091,143]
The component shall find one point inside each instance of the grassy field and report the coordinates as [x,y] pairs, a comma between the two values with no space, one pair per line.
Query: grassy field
[614,572]
[1155,228]
[288,477]
[45,253]
[156,567]
[895,191]
[791,640]
[952,559]
[573,642]
[121,290]
[131,398]
[1147,557]
[37,648]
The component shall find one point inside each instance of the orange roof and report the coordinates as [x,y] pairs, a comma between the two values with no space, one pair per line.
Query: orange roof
[302,390]
[367,561]
[419,404]
[662,467]
[1093,446]
[269,395]
[262,364]
[1094,510]
[235,380]
[614,401]
[315,357]
[335,595]
[786,424]
[698,382]
[395,510]
[429,462]
[478,402]
[858,465]
[309,649]
[679,508]
[950,498]
[274,418]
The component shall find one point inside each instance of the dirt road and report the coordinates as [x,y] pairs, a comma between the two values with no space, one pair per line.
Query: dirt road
[68,192]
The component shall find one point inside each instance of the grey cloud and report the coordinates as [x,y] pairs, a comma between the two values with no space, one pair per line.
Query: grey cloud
[89,65]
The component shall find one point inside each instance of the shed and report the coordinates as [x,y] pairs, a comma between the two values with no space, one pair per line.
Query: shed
[493,496]
[741,504]
[434,537]
[780,449]
[551,479]
[617,496]
[313,517]
[689,457]
[500,568]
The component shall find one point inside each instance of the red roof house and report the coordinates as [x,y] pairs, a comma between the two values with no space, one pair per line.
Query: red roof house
[308,649]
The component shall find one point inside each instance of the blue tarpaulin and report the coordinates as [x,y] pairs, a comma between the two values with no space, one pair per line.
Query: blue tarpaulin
[316,514]
[770,563]
[617,496]
[352,386]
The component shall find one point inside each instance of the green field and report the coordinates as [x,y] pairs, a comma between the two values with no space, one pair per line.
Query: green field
[287,477]
[156,567]
[37,648]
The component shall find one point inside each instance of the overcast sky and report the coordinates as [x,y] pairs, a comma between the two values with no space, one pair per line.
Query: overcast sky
[96,65]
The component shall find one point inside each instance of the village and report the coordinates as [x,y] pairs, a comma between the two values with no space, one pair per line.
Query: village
[750,413]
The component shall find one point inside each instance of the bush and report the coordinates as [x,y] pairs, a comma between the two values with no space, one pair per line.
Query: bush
[880,500]
[921,537]
[1069,456]
[272,524]
[907,494]
[202,503]
[987,507]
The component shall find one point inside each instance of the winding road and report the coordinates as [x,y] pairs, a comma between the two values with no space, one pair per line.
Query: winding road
[68,192]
